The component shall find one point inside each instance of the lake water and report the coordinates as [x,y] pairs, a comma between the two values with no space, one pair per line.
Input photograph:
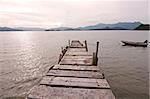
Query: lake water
[26,56]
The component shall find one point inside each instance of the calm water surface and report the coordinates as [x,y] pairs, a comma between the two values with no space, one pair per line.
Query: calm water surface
[26,56]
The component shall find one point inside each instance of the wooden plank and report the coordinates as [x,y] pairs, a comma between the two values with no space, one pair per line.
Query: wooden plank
[87,61]
[76,49]
[76,43]
[75,82]
[76,67]
[78,53]
[46,92]
[78,57]
[77,74]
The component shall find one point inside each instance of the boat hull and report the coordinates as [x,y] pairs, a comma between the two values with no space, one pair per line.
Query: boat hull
[139,44]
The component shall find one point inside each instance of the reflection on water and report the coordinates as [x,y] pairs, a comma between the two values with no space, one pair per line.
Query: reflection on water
[26,56]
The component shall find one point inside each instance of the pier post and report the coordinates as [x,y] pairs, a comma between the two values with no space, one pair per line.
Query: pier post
[69,42]
[97,46]
[60,57]
[95,55]
[94,62]
[86,45]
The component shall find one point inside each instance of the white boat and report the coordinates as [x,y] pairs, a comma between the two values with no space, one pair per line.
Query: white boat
[131,43]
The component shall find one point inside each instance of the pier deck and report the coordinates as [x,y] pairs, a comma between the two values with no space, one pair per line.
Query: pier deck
[74,77]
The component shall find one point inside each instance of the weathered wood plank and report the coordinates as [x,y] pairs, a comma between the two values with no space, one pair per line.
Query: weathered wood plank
[76,43]
[76,50]
[78,74]
[87,61]
[75,82]
[76,67]
[77,46]
[46,92]
[77,57]
[78,53]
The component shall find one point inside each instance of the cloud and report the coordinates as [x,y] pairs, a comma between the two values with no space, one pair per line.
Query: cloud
[54,13]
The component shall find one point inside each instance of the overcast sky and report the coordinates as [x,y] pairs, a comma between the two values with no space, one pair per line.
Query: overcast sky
[72,13]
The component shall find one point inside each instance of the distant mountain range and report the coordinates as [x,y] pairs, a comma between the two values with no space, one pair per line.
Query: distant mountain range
[21,29]
[61,29]
[143,27]
[30,29]
[120,26]
[100,26]
[8,29]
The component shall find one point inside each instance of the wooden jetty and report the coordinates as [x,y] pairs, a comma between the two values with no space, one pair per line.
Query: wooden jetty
[76,76]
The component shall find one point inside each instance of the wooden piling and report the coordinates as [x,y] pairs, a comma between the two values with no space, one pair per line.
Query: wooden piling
[60,57]
[94,59]
[86,45]
[95,55]
[62,49]
[69,43]
[97,46]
